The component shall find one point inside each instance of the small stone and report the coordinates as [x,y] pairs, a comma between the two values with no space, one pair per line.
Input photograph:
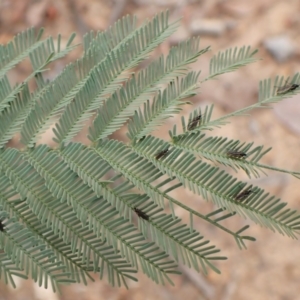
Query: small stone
[212,27]
[280,47]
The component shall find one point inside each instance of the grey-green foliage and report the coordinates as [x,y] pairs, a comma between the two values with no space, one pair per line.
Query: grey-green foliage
[75,209]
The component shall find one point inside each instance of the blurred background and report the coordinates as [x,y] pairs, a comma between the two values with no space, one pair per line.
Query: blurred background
[270,268]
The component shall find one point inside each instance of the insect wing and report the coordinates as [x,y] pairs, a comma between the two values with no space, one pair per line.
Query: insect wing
[194,122]
[192,125]
[236,154]
[287,88]
[161,153]
[141,214]
[243,195]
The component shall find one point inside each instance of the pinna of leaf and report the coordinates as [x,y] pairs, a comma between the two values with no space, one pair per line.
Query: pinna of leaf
[236,154]
[194,122]
[141,214]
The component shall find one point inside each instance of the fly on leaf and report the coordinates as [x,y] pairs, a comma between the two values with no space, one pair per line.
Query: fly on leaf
[1,226]
[142,138]
[161,153]
[286,88]
[236,154]
[194,122]
[141,214]
[243,195]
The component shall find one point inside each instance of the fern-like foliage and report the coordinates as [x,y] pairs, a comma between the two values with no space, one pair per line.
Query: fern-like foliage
[75,209]
[230,153]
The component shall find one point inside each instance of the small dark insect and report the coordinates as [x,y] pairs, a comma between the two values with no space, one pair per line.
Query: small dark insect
[286,88]
[1,226]
[142,138]
[243,195]
[161,153]
[37,74]
[193,123]
[236,154]
[141,214]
